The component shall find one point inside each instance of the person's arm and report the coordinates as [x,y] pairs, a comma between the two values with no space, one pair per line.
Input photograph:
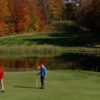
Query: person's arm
[2,74]
[45,72]
[39,73]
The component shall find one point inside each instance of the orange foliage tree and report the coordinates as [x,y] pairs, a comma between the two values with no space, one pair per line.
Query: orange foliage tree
[20,15]
[42,20]
[24,15]
[3,14]
[34,17]
[37,15]
[56,8]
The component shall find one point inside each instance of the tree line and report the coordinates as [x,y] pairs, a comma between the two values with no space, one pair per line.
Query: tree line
[18,16]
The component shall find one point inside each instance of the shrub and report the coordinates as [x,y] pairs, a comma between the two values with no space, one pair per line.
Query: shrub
[65,26]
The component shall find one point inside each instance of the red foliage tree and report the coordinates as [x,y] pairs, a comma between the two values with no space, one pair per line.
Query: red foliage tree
[42,20]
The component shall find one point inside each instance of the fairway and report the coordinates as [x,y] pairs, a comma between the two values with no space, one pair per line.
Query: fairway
[60,85]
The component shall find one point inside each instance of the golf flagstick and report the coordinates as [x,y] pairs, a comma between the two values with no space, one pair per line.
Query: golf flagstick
[36,81]
[38,69]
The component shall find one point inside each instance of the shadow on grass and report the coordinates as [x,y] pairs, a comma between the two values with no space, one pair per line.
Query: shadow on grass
[20,86]
[71,40]
[55,41]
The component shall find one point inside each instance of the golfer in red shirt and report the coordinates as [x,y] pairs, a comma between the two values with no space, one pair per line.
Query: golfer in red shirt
[1,80]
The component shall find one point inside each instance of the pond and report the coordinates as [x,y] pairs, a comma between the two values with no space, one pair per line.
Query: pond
[64,61]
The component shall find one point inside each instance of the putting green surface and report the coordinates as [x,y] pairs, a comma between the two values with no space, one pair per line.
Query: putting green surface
[60,85]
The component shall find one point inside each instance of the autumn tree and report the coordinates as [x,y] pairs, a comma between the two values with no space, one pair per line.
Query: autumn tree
[1,19]
[25,15]
[34,10]
[42,13]
[56,8]
[42,21]
[89,15]
[53,9]
[20,15]
[37,14]
[3,15]
[44,5]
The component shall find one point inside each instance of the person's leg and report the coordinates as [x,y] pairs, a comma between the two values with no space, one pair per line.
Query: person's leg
[42,82]
[2,86]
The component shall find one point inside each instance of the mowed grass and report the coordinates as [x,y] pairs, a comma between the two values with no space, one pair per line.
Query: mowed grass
[60,85]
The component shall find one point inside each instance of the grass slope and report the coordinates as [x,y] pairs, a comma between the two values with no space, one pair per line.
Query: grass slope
[60,85]
[57,39]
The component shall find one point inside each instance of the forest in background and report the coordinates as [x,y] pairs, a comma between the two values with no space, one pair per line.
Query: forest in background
[19,16]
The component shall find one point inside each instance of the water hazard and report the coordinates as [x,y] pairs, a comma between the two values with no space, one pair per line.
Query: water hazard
[65,61]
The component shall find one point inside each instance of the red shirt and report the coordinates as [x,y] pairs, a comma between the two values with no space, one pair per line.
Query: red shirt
[1,74]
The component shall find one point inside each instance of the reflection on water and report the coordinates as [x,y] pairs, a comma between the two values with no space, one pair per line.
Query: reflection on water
[65,61]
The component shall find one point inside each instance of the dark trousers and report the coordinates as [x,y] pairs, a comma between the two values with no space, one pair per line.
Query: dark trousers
[42,82]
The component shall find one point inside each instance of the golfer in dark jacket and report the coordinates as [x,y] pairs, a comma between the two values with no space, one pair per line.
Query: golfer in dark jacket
[42,74]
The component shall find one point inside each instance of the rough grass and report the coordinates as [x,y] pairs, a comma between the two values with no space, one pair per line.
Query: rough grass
[60,85]
[43,51]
